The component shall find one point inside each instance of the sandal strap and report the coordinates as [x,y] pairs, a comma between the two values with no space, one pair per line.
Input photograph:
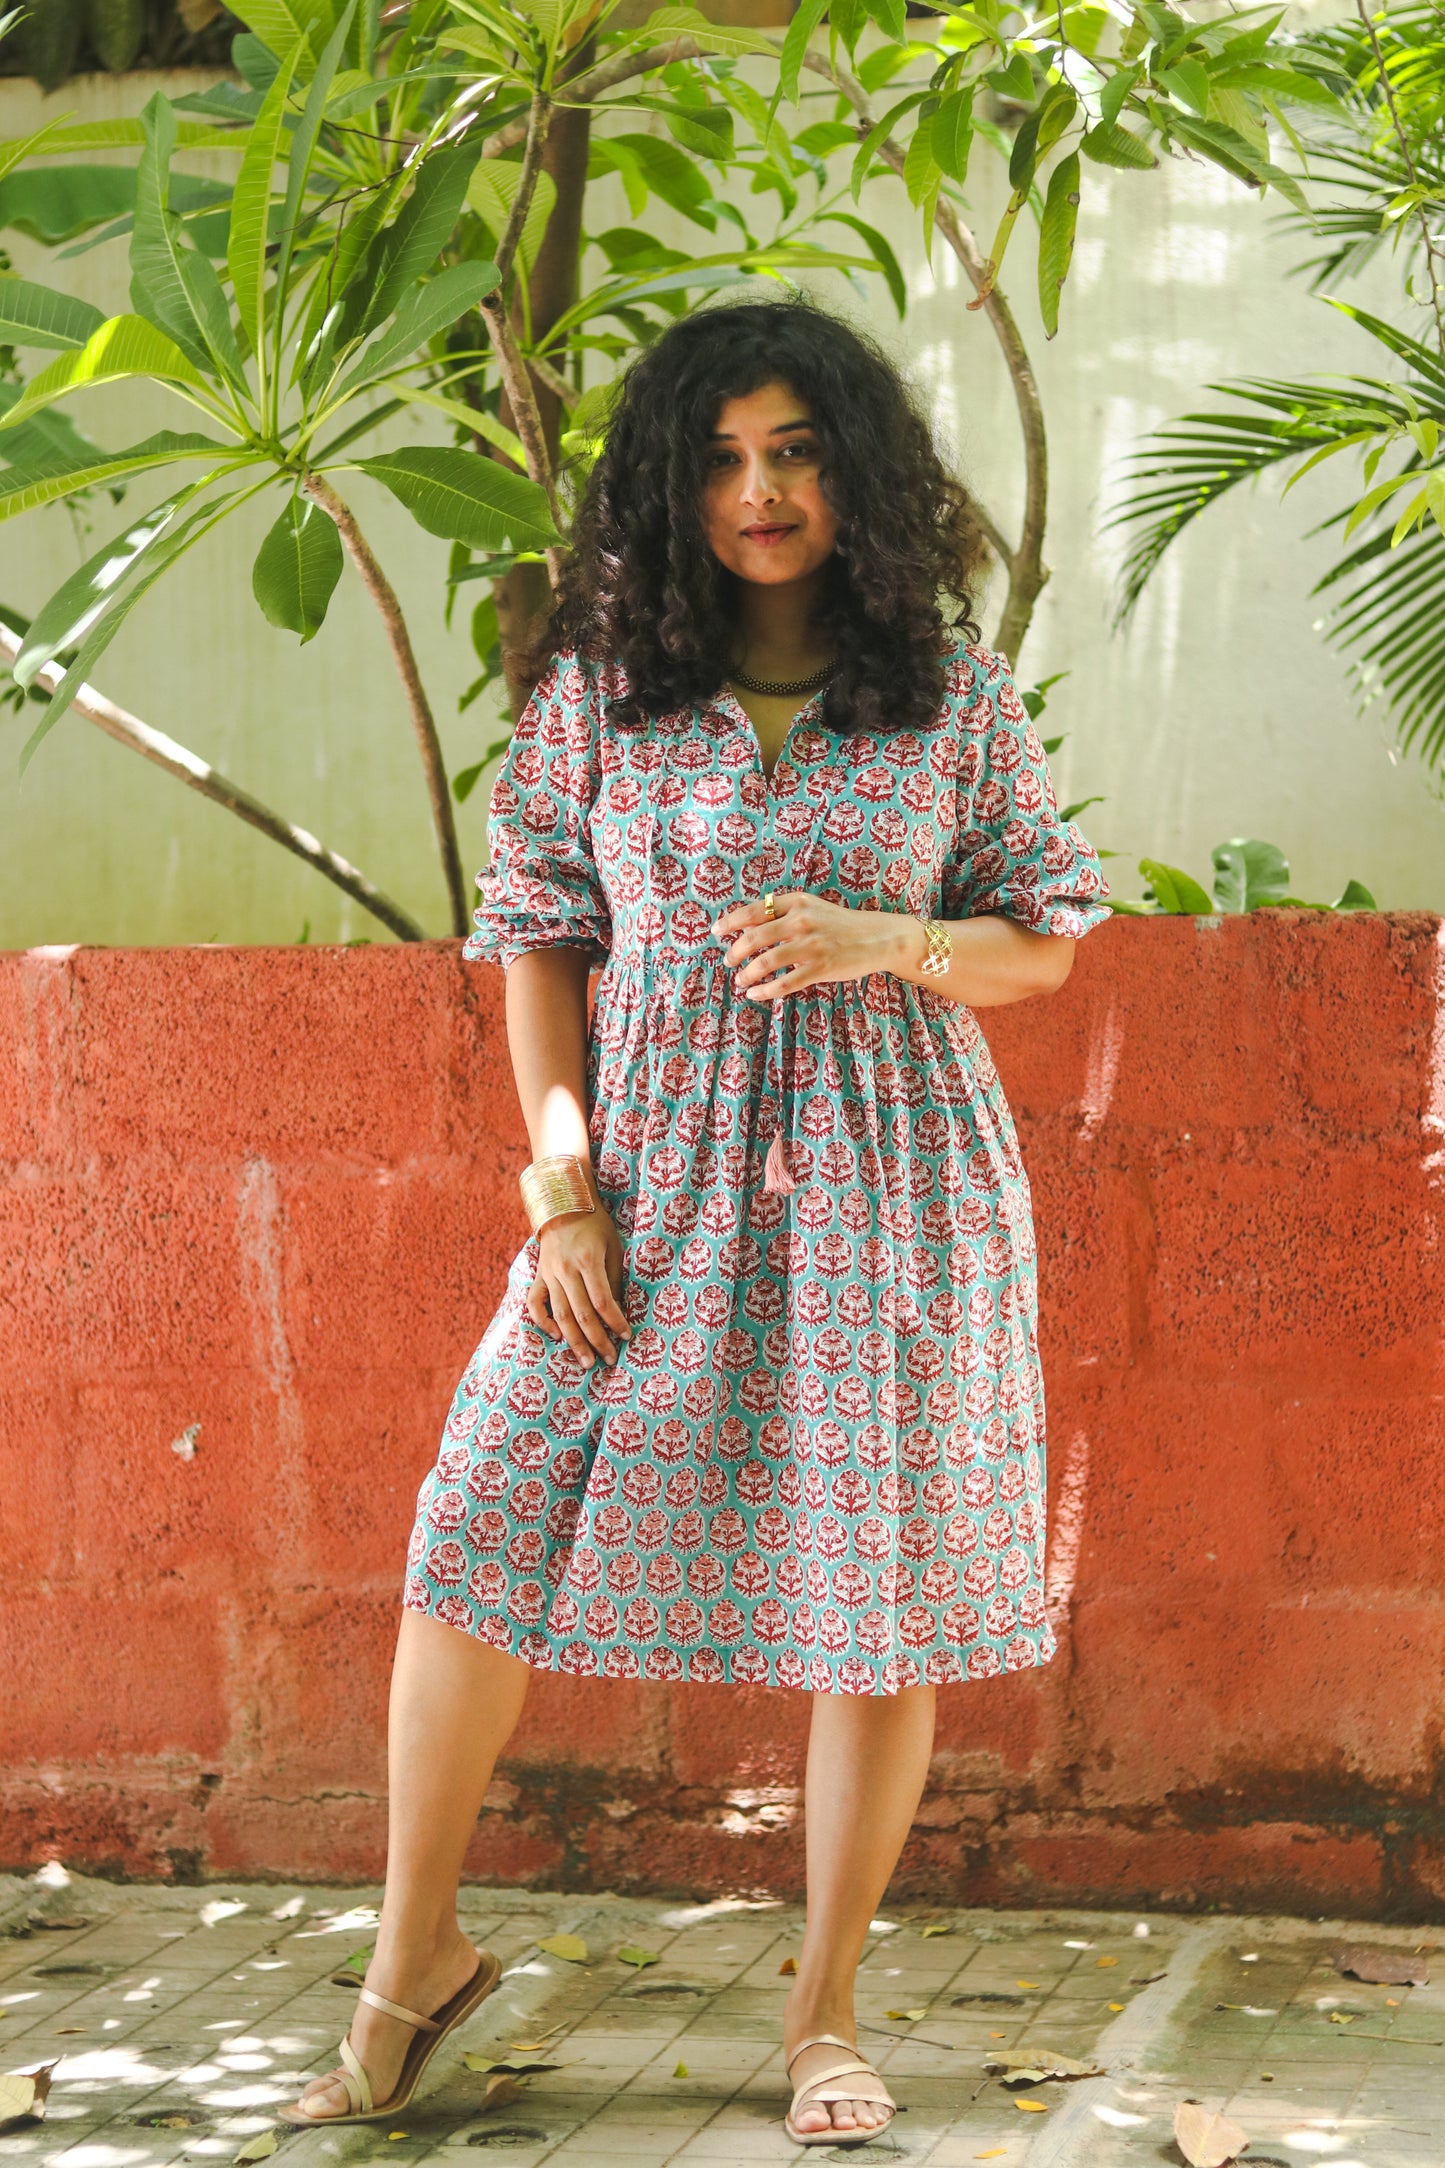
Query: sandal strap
[398,2010]
[826,2086]
[354,2078]
[819,2040]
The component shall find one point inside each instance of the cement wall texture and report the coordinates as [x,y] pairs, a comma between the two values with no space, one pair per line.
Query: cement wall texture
[270,1193]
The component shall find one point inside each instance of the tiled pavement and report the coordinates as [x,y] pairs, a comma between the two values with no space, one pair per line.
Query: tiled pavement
[182,2018]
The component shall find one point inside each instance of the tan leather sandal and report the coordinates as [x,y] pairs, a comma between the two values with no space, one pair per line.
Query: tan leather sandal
[822,2091]
[430,2033]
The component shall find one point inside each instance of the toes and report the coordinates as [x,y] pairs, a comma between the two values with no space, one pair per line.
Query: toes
[812,2119]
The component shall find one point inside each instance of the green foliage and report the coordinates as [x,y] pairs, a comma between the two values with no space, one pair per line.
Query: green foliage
[1380,171]
[297,568]
[1248,876]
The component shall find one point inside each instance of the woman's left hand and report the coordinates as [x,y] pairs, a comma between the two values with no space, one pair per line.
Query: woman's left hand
[808,941]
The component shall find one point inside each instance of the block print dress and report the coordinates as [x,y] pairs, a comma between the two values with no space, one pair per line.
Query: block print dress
[819,1460]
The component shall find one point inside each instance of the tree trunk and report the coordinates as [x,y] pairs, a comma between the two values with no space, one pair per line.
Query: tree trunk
[524,596]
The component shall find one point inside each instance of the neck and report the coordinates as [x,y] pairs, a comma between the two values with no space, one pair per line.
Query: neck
[776,633]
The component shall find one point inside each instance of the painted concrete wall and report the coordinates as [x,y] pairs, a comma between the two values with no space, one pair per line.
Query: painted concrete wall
[270,1194]
[1221,713]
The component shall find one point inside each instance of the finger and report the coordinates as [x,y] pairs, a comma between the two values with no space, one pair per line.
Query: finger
[536,1308]
[756,940]
[791,982]
[783,955]
[585,1312]
[572,1331]
[740,914]
[608,1308]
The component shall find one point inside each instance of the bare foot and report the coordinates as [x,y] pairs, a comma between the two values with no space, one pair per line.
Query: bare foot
[851,2115]
[379,2042]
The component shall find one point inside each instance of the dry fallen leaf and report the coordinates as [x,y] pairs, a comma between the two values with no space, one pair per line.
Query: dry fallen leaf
[393,2135]
[1205,2139]
[936,1927]
[485,2063]
[995,2152]
[1033,2107]
[1116,2006]
[501,2092]
[634,1954]
[570,1947]
[910,2017]
[1106,1961]
[261,2147]
[1342,2017]
[535,2047]
[1388,1968]
[1031,2066]
[998,2036]
[1146,1979]
[62,2030]
[680,2071]
[1032,1984]
[23,2095]
[56,1923]
[787,1968]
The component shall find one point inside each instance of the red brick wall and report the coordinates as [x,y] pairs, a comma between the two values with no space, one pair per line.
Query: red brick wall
[271,1192]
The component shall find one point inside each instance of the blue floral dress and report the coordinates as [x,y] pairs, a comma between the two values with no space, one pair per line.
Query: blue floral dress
[819,1460]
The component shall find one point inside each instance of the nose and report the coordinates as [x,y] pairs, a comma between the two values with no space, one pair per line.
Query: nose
[760,487]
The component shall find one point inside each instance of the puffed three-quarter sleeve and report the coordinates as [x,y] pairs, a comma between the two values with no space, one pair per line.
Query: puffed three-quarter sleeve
[1012,853]
[542,888]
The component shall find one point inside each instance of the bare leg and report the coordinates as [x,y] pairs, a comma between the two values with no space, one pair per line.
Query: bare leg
[867,1763]
[454,1704]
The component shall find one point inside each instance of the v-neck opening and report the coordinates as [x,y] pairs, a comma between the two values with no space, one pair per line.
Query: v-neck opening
[730,701]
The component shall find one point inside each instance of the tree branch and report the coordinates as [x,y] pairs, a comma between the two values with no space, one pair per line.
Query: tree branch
[178,760]
[526,420]
[380,589]
[586,88]
[536,140]
[1026,568]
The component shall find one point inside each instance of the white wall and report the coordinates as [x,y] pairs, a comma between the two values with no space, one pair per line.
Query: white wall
[1220,713]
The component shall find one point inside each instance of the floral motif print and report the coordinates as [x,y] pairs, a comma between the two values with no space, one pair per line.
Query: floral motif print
[819,1460]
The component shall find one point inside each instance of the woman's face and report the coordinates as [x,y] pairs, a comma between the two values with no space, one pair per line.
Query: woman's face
[764,512]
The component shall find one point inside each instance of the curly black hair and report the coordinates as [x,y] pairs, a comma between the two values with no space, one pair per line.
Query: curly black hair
[642,587]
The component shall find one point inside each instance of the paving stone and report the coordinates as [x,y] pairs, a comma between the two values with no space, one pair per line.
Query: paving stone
[178,2028]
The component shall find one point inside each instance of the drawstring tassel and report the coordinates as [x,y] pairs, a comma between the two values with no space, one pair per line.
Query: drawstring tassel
[775,1167]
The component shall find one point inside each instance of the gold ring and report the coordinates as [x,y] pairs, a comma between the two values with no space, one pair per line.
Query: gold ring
[770,905]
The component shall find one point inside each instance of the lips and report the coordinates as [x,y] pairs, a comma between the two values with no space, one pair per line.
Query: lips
[770,531]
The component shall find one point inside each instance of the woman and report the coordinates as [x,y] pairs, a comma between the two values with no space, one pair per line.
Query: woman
[761,1402]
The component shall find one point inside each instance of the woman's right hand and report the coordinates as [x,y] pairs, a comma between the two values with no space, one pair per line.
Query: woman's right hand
[575,1295]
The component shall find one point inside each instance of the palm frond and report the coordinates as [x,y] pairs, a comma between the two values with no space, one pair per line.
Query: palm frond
[1391,617]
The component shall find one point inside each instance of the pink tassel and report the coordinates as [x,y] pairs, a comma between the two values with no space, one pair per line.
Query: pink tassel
[775,1166]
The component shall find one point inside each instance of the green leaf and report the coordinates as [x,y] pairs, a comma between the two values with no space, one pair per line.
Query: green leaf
[1188,80]
[1115,146]
[297,568]
[1056,237]
[171,285]
[810,13]
[491,192]
[251,210]
[124,346]
[1248,873]
[298,162]
[104,630]
[55,203]
[1115,92]
[48,480]
[299,32]
[38,316]
[463,497]
[634,1954]
[1175,892]
[951,131]
[570,1947]
[429,308]
[65,620]
[882,254]
[413,242]
[669,173]
[668,23]
[1355,897]
[920,167]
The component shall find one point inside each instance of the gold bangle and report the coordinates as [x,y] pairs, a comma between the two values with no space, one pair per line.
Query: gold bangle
[554,1188]
[940,948]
